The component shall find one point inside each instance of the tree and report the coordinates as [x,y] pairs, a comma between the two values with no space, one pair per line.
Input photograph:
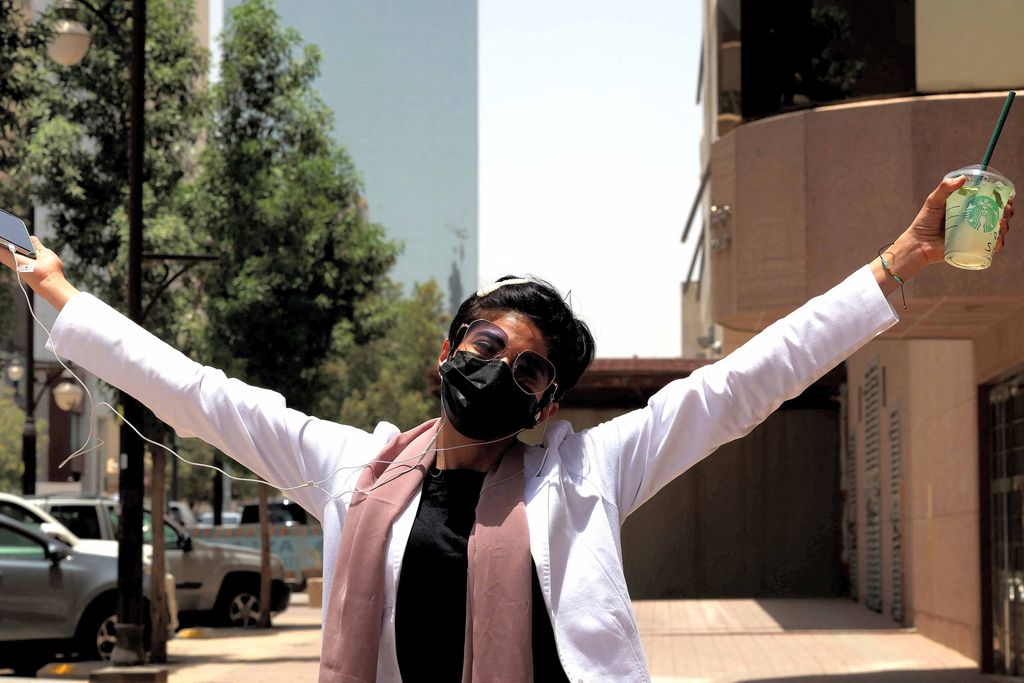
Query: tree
[12,422]
[389,378]
[77,157]
[299,265]
[22,43]
[22,49]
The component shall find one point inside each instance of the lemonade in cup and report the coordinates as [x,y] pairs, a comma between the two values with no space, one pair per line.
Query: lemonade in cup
[973,214]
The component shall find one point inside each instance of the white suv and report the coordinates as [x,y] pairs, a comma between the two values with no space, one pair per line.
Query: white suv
[55,598]
[216,583]
[42,523]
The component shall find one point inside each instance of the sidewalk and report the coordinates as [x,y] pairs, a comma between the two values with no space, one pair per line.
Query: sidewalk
[790,641]
[289,652]
[686,641]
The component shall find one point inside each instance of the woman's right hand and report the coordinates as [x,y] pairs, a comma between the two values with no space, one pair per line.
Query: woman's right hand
[47,276]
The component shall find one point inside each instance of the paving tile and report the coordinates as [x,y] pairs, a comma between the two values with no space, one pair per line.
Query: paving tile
[791,641]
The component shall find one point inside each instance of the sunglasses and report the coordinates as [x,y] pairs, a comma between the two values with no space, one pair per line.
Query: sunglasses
[532,372]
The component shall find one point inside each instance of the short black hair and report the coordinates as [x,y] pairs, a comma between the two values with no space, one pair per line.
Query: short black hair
[570,343]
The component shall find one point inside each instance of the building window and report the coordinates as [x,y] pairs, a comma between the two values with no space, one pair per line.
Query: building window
[806,53]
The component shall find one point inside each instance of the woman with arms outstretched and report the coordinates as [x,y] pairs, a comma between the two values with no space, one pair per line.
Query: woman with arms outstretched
[453,551]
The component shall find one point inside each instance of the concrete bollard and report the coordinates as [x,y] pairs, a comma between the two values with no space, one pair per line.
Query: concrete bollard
[129,674]
[315,591]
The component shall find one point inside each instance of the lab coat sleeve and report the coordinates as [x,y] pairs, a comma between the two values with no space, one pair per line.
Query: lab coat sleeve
[251,425]
[637,454]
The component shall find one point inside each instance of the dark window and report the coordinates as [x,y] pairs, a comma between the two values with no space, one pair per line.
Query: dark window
[171,537]
[1006,456]
[279,513]
[81,520]
[16,546]
[805,53]
[19,513]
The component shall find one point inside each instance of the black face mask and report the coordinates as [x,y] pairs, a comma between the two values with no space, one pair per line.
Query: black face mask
[482,400]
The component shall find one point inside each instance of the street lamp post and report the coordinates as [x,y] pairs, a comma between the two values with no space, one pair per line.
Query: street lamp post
[70,44]
[66,394]
[130,614]
[28,434]
[16,372]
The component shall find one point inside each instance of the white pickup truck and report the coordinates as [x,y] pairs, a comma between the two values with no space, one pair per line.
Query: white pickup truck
[216,583]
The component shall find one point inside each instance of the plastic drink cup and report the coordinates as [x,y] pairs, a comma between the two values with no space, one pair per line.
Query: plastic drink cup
[973,214]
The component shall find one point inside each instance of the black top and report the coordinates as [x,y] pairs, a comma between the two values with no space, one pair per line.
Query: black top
[430,619]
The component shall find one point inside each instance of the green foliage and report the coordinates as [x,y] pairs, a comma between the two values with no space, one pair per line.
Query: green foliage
[77,157]
[12,421]
[299,301]
[195,483]
[299,265]
[389,378]
[833,72]
[21,45]
[12,424]
[22,50]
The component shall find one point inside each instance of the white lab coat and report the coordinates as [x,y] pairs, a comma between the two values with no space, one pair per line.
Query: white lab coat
[579,490]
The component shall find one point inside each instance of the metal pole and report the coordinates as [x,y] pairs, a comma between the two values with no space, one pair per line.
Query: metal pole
[218,490]
[28,435]
[174,472]
[130,613]
[264,558]
[157,589]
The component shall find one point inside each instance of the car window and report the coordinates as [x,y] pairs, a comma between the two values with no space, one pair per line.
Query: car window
[112,515]
[282,514]
[277,514]
[171,537]
[20,514]
[15,546]
[250,514]
[81,520]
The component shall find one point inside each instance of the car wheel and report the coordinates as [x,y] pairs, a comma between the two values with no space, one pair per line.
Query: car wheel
[97,633]
[243,609]
[106,637]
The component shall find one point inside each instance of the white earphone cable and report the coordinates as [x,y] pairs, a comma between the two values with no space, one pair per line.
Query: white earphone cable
[85,448]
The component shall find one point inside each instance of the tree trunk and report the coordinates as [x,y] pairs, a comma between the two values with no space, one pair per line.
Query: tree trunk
[264,558]
[157,589]
[218,490]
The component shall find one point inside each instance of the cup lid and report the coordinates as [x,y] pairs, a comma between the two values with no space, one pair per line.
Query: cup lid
[976,170]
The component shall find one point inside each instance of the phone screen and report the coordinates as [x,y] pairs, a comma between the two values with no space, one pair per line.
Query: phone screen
[13,231]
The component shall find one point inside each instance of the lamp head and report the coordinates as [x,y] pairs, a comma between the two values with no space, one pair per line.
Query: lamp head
[68,395]
[70,39]
[15,370]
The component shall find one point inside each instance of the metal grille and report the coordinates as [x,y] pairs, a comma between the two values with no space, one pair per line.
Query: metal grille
[896,492]
[1006,413]
[873,487]
[851,516]
[848,487]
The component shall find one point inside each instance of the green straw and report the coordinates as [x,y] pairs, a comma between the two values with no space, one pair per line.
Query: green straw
[999,129]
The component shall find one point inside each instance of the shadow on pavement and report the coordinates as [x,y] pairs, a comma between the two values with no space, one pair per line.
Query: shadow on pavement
[297,627]
[926,676]
[179,661]
[212,633]
[811,614]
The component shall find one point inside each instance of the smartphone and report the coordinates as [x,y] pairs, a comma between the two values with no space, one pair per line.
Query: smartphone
[14,232]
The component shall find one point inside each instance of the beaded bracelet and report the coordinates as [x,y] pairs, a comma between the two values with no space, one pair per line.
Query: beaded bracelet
[888,271]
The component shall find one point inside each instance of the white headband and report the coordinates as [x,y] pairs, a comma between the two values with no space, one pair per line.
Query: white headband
[489,289]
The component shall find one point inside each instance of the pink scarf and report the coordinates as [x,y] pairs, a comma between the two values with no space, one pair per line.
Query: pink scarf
[499,593]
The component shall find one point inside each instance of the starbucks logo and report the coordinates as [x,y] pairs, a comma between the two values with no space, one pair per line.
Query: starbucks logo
[982,213]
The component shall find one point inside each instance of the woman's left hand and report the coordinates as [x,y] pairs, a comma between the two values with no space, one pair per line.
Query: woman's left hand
[927,232]
[924,242]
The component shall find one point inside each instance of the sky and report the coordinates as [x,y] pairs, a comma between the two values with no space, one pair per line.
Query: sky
[589,157]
